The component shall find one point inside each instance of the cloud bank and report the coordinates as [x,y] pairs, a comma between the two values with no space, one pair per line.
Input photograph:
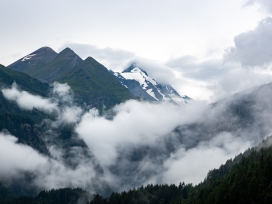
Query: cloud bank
[252,47]
[28,101]
[137,143]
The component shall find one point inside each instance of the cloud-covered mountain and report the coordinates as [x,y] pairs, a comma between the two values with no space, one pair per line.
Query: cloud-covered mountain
[67,144]
[140,84]
[37,135]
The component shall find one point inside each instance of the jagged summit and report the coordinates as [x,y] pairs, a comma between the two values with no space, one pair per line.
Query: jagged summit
[140,84]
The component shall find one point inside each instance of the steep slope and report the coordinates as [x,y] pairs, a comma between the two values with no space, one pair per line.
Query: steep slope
[59,67]
[34,86]
[92,82]
[140,84]
[34,61]
[18,122]
[245,179]
[36,130]
[46,65]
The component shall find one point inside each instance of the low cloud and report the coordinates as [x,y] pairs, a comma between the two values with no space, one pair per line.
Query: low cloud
[62,92]
[61,102]
[137,143]
[15,157]
[28,101]
[135,123]
[233,83]
[207,70]
[47,173]
[192,165]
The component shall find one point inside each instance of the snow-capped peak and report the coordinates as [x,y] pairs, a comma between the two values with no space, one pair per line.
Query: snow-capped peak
[138,75]
[140,84]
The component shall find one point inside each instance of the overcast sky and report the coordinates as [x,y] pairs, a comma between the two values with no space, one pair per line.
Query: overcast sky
[208,45]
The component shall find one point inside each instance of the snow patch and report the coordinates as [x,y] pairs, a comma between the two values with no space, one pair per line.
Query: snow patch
[28,57]
[138,75]
[151,93]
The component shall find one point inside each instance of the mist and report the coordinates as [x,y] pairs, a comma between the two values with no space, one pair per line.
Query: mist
[135,143]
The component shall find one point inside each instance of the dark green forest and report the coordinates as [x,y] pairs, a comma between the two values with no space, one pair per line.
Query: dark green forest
[65,195]
[245,179]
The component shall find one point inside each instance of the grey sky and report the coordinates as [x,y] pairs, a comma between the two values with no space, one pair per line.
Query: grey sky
[116,33]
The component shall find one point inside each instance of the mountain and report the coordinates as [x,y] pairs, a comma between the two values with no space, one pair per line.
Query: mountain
[21,123]
[34,60]
[47,65]
[140,84]
[35,129]
[90,81]
[243,115]
[93,83]
[245,179]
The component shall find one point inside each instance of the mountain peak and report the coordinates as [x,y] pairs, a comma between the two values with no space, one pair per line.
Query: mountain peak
[43,55]
[45,49]
[140,84]
[67,53]
[134,67]
[67,50]
[43,52]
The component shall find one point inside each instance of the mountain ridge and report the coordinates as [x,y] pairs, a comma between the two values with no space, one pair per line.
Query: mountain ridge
[89,80]
[39,57]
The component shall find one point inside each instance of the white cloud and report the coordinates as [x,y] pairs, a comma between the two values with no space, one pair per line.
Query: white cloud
[192,165]
[62,91]
[145,131]
[67,112]
[266,4]
[242,67]
[136,123]
[28,101]
[239,79]
[49,173]
[253,48]
[159,72]
[16,157]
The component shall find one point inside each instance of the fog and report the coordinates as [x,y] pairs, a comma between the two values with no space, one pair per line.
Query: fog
[134,143]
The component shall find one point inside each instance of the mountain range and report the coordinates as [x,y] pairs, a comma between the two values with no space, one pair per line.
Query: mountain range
[87,76]
[244,116]
[89,80]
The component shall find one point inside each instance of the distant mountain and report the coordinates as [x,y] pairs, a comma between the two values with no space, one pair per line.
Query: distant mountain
[90,81]
[140,84]
[34,60]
